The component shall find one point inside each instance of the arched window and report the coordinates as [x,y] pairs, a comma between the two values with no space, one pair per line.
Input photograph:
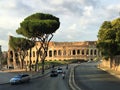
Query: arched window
[59,52]
[27,62]
[91,52]
[74,52]
[83,52]
[55,52]
[95,52]
[64,52]
[50,53]
[33,61]
[78,51]
[33,53]
[87,52]
[69,52]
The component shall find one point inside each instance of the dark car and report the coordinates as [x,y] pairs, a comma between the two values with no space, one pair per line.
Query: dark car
[54,73]
[20,79]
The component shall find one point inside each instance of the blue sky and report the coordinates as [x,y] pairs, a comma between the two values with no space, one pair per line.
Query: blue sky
[80,19]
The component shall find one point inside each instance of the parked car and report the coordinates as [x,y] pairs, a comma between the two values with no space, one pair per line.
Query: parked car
[20,79]
[59,70]
[53,73]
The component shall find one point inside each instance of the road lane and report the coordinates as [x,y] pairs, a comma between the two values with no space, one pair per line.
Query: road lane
[45,83]
[88,77]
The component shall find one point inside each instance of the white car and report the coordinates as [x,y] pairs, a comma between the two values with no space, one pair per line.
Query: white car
[59,70]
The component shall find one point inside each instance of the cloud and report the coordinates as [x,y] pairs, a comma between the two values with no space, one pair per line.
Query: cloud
[4,45]
[80,19]
[73,27]
[55,2]
[88,10]
[112,11]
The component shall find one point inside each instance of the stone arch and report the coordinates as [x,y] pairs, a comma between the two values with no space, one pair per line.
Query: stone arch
[59,52]
[91,52]
[55,52]
[87,51]
[64,52]
[83,51]
[95,52]
[50,53]
[33,53]
[78,51]
[74,52]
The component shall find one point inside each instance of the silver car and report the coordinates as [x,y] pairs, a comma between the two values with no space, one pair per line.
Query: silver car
[59,70]
[20,79]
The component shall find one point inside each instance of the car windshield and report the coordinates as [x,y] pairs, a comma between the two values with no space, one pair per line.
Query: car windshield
[59,68]
[53,71]
[18,76]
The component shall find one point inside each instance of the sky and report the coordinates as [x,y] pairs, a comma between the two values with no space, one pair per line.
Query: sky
[80,20]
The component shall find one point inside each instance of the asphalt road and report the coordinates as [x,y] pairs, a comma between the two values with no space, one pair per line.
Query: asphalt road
[89,77]
[44,83]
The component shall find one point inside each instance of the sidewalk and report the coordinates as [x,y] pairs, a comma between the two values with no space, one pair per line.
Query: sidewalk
[110,71]
[5,76]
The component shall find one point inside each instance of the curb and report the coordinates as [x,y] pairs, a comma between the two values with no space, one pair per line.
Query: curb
[111,73]
[40,76]
[72,83]
[4,83]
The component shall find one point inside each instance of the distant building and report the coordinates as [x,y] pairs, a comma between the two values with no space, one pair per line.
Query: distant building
[86,50]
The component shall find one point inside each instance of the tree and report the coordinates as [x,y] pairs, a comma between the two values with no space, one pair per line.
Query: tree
[20,45]
[39,27]
[109,38]
[1,57]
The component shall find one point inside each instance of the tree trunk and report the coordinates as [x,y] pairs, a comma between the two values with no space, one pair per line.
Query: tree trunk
[36,64]
[111,62]
[14,60]
[43,60]
[30,60]
[43,63]
[20,61]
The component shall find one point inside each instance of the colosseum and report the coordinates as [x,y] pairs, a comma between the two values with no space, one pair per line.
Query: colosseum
[85,50]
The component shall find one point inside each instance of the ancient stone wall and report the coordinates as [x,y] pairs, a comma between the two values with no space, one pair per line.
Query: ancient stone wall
[115,64]
[65,51]
[69,50]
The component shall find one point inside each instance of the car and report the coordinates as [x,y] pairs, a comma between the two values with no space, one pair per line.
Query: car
[53,73]
[59,70]
[21,78]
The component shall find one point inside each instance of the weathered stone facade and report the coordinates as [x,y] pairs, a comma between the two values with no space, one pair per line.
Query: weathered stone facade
[69,50]
[65,51]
